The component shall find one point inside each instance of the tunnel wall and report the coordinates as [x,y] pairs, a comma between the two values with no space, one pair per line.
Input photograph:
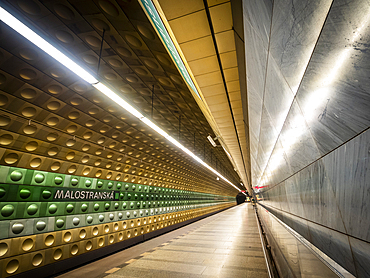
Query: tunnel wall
[308,103]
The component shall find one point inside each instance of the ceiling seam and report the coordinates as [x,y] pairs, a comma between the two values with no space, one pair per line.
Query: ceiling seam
[223,77]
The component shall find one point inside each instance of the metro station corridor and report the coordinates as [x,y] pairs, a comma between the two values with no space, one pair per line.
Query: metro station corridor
[128,128]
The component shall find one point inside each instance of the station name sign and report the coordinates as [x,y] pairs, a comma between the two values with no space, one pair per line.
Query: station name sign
[67,194]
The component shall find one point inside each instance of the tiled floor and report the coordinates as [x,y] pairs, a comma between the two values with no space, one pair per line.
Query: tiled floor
[224,245]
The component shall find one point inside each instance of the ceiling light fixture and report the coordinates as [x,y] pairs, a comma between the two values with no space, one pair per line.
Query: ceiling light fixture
[26,32]
[211,140]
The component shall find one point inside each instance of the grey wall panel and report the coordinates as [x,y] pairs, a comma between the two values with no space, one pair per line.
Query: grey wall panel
[295,29]
[348,170]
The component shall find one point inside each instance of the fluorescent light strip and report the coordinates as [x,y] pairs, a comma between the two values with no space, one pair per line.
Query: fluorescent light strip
[30,35]
[26,32]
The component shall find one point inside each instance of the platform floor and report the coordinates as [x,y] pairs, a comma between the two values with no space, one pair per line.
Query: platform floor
[226,244]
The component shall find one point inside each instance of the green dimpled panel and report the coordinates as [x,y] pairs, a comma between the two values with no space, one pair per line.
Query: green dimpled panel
[54,202]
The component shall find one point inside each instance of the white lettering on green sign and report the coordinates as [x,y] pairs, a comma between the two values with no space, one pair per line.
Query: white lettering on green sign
[83,194]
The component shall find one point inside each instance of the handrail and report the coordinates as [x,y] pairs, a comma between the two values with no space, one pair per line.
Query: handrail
[270,268]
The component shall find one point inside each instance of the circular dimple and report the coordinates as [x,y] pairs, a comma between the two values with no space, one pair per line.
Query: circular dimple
[82,234]
[3,248]
[151,64]
[58,72]
[93,41]
[53,105]
[7,210]
[12,266]
[72,129]
[52,121]
[40,225]
[67,237]
[115,63]
[37,259]
[76,101]
[39,178]
[141,71]
[111,239]
[70,142]
[101,217]
[164,81]
[30,129]
[146,32]
[109,8]
[88,246]
[31,146]
[133,40]
[106,228]
[110,76]
[76,221]
[176,79]
[29,6]
[120,215]
[96,207]
[27,74]
[124,51]
[49,240]
[29,112]
[70,156]
[36,162]
[93,111]
[64,36]
[89,219]
[70,208]
[52,137]
[98,174]
[6,139]
[101,242]
[84,207]
[80,87]
[46,194]
[163,60]
[74,249]
[28,54]
[132,79]
[100,24]
[88,183]
[95,231]
[32,209]
[74,181]
[90,59]
[2,192]
[53,151]
[71,169]
[17,228]
[55,89]
[53,208]
[58,180]
[28,93]
[64,11]
[4,120]
[74,115]
[57,254]
[11,158]
[3,100]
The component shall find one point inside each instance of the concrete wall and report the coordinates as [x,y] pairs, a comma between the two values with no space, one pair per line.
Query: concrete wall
[308,103]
